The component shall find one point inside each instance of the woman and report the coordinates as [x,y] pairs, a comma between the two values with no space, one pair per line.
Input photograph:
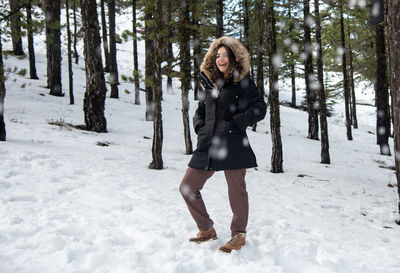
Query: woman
[230,104]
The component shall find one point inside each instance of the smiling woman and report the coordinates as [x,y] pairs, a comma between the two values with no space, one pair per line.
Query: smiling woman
[231,103]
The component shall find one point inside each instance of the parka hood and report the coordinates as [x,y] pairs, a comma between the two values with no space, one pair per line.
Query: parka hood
[241,54]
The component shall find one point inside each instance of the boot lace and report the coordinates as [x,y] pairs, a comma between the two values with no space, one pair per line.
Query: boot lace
[234,239]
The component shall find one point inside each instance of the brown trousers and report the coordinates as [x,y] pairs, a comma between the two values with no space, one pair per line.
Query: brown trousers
[193,182]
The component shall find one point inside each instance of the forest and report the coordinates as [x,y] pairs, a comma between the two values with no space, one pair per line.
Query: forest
[321,50]
[285,39]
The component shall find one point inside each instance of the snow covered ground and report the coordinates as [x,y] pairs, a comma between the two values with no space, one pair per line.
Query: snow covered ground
[68,204]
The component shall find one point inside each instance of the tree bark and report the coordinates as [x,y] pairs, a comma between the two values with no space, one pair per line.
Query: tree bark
[53,44]
[75,33]
[2,94]
[197,56]
[104,36]
[148,16]
[95,95]
[31,49]
[345,75]
[292,64]
[382,104]
[325,157]
[260,49]
[157,162]
[113,51]
[169,51]
[246,24]
[69,42]
[15,20]
[220,19]
[260,46]
[135,55]
[273,98]
[352,88]
[312,106]
[185,71]
[393,19]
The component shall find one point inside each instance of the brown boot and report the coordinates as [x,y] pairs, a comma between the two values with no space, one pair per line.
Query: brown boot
[236,242]
[205,235]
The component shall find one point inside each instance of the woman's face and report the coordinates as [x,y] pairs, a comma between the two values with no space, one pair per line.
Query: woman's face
[222,60]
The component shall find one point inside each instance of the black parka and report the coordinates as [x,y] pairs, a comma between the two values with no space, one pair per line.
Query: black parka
[222,116]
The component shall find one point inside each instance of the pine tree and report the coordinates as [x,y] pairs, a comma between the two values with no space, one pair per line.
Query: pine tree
[382,94]
[220,19]
[113,51]
[76,55]
[69,52]
[273,98]
[312,107]
[394,60]
[196,33]
[15,20]
[2,94]
[104,36]
[168,46]
[135,55]
[260,45]
[53,44]
[156,149]
[325,157]
[95,95]
[31,49]
[352,85]
[246,24]
[149,67]
[260,49]
[291,59]
[184,24]
[345,75]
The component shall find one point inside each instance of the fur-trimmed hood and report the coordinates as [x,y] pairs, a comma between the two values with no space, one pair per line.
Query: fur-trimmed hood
[241,54]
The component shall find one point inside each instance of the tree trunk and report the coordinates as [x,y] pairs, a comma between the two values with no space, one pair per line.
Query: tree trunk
[156,149]
[113,51]
[246,24]
[2,94]
[104,36]
[382,95]
[345,75]
[75,33]
[53,44]
[353,91]
[135,55]
[394,58]
[185,71]
[275,123]
[169,51]
[260,49]
[197,56]
[220,19]
[15,20]
[95,95]
[325,158]
[148,16]
[260,46]
[312,106]
[70,73]
[292,62]
[31,49]
[247,34]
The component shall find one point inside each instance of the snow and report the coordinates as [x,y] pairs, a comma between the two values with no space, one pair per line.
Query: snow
[71,205]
